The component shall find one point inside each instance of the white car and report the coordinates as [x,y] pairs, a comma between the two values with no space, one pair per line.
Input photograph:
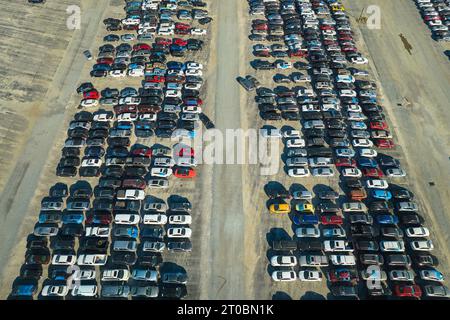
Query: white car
[283,261]
[365,143]
[198,32]
[101,232]
[117,73]
[158,219]
[194,65]
[127,218]
[92,259]
[395,173]
[103,117]
[354,108]
[128,116]
[284,276]
[422,245]
[356,116]
[64,259]
[92,163]
[368,153]
[173,93]
[377,184]
[192,86]
[89,103]
[116,275]
[135,72]
[84,290]
[307,232]
[161,172]
[354,207]
[347,93]
[81,274]
[342,260]
[180,219]
[55,290]
[192,109]
[392,246]
[310,275]
[299,172]
[291,134]
[270,133]
[417,232]
[148,116]
[130,194]
[359,60]
[351,172]
[181,232]
[194,72]
[322,172]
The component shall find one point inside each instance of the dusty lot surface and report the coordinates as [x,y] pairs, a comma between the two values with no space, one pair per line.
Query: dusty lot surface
[416,92]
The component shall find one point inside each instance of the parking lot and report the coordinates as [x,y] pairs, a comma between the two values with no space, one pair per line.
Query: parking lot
[233,233]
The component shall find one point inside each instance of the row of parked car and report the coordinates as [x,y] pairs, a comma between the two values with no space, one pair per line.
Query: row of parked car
[372,248]
[113,237]
[342,124]
[436,14]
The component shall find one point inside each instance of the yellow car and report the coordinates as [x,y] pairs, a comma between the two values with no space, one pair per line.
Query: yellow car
[304,207]
[280,208]
[338,8]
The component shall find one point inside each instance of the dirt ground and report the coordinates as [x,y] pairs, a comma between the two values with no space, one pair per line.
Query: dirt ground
[231,225]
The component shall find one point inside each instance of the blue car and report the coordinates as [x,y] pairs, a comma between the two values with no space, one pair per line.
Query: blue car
[134,66]
[24,290]
[380,194]
[359,125]
[101,67]
[175,47]
[77,218]
[124,125]
[143,126]
[386,219]
[299,219]
[431,274]
[175,65]
[367,163]
[191,102]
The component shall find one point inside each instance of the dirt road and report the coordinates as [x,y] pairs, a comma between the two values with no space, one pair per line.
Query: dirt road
[226,226]
[416,88]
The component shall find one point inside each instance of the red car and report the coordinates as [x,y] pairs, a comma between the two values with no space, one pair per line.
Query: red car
[261,54]
[372,172]
[345,37]
[384,144]
[142,152]
[180,42]
[261,27]
[428,18]
[108,61]
[92,94]
[348,49]
[297,53]
[186,152]
[378,125]
[345,162]
[104,218]
[342,275]
[163,41]
[182,26]
[134,183]
[331,219]
[412,291]
[326,27]
[181,172]
[141,46]
[158,79]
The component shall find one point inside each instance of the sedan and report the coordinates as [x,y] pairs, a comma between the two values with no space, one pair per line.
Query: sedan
[283,261]
[310,275]
[284,276]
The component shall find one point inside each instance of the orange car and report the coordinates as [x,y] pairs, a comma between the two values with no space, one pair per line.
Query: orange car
[279,208]
[358,194]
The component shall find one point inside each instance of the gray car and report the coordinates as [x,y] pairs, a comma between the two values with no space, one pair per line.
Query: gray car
[115,291]
[174,277]
[145,292]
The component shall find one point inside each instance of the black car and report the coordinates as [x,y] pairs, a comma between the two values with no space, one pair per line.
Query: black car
[111,182]
[126,258]
[98,73]
[271,115]
[63,243]
[66,171]
[154,232]
[111,38]
[94,151]
[424,260]
[410,219]
[173,292]
[94,245]
[135,171]
[72,229]
[353,183]
[291,116]
[110,93]
[69,162]
[89,172]
[83,116]
[363,231]
[113,171]
[150,259]
[179,246]
[86,86]
[32,271]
